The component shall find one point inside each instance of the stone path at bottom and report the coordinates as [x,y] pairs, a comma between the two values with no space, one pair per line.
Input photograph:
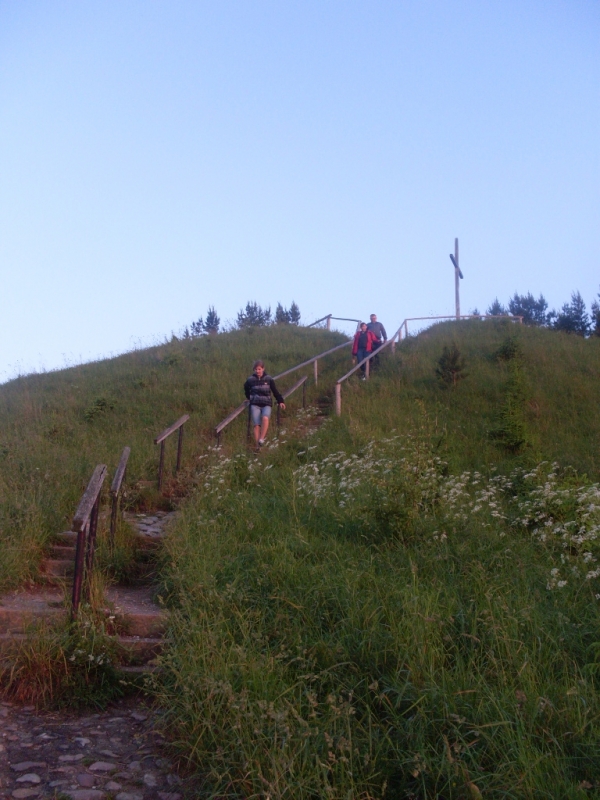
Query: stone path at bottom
[118,753]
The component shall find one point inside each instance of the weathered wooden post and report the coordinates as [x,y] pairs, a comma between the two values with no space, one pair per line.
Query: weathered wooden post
[338,399]
[316,371]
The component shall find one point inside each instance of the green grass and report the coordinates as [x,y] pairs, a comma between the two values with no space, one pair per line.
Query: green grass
[399,603]
[55,427]
[393,636]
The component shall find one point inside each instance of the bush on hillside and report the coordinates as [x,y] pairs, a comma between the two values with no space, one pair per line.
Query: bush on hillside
[450,368]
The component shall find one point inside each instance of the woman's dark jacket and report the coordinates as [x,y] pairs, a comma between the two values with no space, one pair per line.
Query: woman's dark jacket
[258,391]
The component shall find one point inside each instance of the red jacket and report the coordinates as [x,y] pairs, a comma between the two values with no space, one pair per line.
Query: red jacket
[370,339]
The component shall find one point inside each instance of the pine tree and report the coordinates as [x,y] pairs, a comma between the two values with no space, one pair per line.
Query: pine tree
[294,313]
[534,312]
[253,316]
[213,321]
[573,317]
[197,328]
[450,368]
[496,309]
[596,317]
[282,315]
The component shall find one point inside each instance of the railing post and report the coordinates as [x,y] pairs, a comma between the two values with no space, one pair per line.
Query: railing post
[367,369]
[329,322]
[316,370]
[78,576]
[179,449]
[338,399]
[161,463]
[91,547]
[113,519]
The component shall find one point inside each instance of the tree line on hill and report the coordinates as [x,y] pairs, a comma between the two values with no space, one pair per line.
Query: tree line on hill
[573,317]
[252,316]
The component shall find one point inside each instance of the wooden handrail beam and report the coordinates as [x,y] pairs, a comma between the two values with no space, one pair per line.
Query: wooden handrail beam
[311,360]
[120,473]
[230,417]
[293,388]
[89,497]
[171,429]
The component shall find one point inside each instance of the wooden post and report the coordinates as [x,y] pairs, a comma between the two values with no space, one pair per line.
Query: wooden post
[329,322]
[456,280]
[79,566]
[316,372]
[367,369]
[338,399]
[179,449]
[91,548]
[161,464]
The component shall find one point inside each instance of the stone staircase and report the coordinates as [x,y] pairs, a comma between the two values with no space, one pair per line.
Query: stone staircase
[138,620]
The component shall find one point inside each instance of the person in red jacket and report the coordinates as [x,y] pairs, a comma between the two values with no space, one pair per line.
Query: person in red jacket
[363,344]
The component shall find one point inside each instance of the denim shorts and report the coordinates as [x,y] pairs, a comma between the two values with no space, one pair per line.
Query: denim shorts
[258,412]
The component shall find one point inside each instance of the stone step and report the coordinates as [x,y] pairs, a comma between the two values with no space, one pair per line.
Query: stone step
[61,552]
[57,567]
[67,538]
[137,650]
[136,613]
[19,610]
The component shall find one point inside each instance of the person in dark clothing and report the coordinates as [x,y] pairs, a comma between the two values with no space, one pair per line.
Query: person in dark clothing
[380,335]
[362,344]
[258,389]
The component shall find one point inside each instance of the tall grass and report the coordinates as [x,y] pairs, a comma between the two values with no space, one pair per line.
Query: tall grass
[369,612]
[55,427]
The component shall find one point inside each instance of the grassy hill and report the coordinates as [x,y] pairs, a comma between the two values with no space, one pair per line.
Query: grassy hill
[401,602]
[55,427]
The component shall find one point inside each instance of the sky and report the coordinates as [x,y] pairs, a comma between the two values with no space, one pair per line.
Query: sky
[158,157]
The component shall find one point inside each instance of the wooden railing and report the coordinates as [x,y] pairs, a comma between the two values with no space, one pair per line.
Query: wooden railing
[391,342]
[85,524]
[314,360]
[160,439]
[115,491]
[462,316]
[327,320]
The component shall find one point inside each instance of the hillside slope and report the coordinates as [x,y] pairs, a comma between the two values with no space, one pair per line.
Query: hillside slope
[55,427]
[403,603]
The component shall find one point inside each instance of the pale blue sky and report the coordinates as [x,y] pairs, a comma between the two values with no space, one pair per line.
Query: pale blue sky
[158,157]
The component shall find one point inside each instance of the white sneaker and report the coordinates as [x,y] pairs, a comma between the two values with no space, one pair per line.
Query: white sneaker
[261,442]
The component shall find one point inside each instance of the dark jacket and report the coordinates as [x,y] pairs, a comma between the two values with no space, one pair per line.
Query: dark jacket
[258,390]
[370,339]
[377,330]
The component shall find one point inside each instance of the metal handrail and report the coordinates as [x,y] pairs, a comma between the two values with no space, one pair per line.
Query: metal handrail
[115,491]
[392,342]
[160,439]
[85,524]
[314,360]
